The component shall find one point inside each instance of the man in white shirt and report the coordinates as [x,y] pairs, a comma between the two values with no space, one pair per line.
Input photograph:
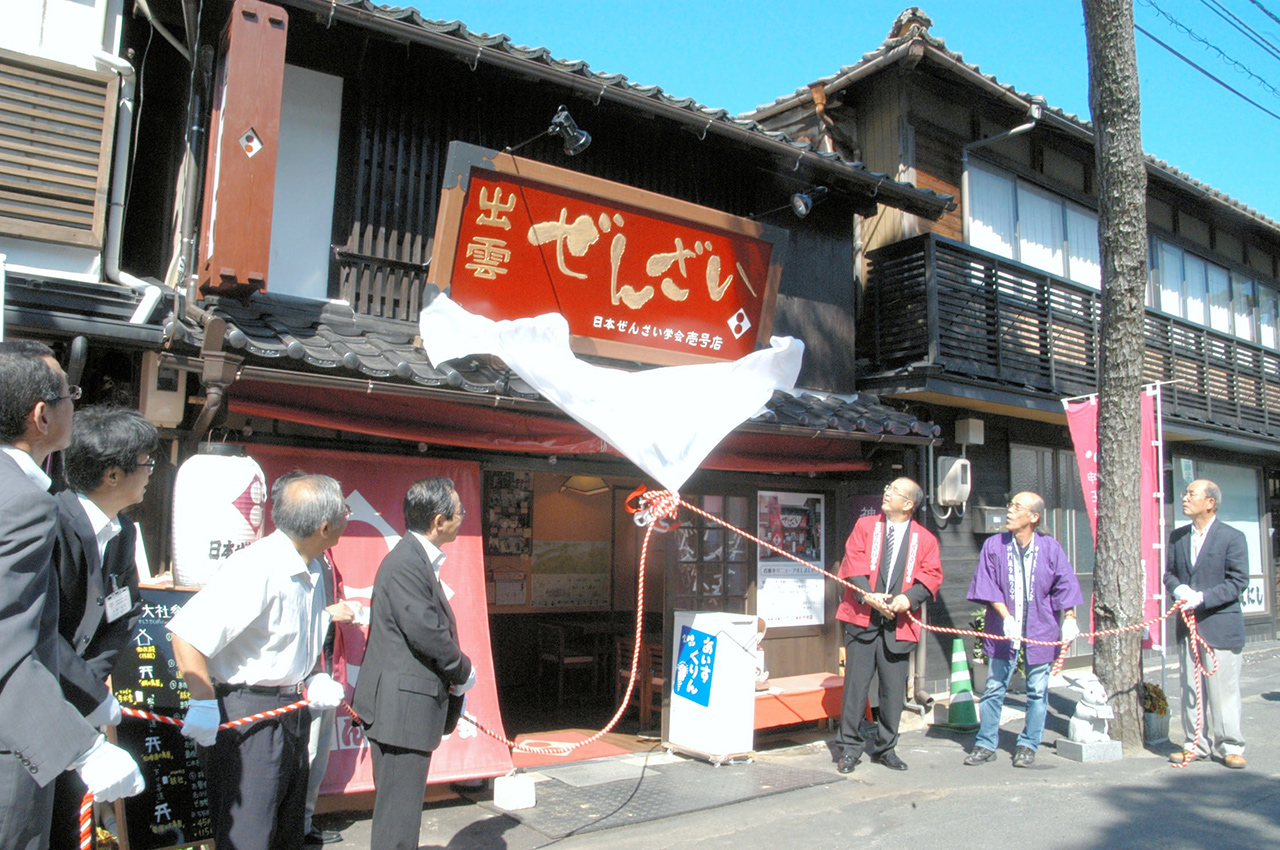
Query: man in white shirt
[108,466]
[249,642]
[1207,567]
[42,734]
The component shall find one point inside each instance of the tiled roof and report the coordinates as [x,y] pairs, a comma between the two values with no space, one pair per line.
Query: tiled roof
[455,34]
[322,337]
[914,25]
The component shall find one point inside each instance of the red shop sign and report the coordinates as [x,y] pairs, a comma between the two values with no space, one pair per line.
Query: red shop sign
[637,275]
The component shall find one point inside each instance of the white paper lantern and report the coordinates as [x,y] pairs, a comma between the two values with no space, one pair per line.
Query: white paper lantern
[219,507]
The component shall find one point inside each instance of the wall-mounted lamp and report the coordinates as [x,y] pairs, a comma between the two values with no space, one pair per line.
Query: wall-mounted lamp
[585,485]
[576,140]
[802,202]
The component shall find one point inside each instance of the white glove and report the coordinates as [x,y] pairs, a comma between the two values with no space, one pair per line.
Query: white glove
[107,713]
[324,691]
[459,690]
[201,721]
[109,772]
[1012,630]
[1070,629]
[1193,598]
[1180,592]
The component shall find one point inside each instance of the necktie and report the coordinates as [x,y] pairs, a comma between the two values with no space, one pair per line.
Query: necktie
[888,556]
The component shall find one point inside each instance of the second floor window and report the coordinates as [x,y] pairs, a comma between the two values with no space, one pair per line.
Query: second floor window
[1192,288]
[1015,219]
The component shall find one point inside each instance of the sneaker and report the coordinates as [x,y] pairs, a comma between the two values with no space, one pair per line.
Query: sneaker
[1024,757]
[980,755]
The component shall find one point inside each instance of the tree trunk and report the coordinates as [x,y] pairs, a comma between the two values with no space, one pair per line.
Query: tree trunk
[1122,225]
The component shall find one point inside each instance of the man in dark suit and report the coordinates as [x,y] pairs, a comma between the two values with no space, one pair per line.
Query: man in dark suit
[108,466]
[1207,567]
[894,562]
[42,734]
[414,673]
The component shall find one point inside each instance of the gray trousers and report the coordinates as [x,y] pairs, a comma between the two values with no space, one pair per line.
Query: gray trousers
[1221,735]
[322,723]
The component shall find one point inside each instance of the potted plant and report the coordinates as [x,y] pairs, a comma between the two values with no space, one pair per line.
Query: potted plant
[1155,714]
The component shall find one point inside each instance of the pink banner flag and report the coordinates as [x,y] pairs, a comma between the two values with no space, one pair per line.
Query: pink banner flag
[374,487]
[1082,421]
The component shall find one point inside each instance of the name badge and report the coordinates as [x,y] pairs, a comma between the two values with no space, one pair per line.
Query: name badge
[119,603]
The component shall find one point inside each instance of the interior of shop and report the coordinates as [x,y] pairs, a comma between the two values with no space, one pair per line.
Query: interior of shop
[561,563]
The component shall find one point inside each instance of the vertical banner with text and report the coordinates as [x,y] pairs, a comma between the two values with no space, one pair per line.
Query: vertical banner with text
[374,486]
[1082,421]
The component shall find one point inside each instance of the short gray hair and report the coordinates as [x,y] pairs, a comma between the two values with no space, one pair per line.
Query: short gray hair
[305,503]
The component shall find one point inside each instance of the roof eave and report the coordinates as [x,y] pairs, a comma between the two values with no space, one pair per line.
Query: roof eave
[880,188]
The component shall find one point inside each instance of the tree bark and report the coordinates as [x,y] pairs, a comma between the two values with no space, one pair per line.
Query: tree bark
[1122,225]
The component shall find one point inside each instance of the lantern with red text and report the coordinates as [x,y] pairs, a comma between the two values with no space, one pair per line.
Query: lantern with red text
[219,506]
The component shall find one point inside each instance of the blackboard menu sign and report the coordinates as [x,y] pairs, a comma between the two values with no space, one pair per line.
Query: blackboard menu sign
[174,808]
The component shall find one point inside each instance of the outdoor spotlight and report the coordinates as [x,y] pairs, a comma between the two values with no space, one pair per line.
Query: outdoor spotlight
[802,202]
[576,140]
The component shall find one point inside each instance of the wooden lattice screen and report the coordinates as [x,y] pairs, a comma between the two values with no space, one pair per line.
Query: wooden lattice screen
[56,126]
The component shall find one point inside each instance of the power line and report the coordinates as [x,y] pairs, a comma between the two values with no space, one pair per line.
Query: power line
[1178,25]
[1241,27]
[1265,11]
[1237,93]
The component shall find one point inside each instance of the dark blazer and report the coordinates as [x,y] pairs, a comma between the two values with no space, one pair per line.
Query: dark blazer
[1221,573]
[83,584]
[412,656]
[40,729]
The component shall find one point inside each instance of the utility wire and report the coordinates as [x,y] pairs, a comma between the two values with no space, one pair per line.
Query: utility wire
[1241,27]
[1237,93]
[1265,11]
[1178,25]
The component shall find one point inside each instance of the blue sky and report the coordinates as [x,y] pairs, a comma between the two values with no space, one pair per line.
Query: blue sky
[738,54]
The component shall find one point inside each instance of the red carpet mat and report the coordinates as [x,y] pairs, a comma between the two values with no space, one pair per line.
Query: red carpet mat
[612,744]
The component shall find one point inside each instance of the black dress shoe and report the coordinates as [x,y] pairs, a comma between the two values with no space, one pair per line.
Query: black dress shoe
[847,763]
[318,837]
[890,760]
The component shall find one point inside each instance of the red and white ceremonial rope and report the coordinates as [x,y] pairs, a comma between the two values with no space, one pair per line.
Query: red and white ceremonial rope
[86,803]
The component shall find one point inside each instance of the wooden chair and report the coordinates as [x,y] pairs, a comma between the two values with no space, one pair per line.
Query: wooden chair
[650,682]
[555,649]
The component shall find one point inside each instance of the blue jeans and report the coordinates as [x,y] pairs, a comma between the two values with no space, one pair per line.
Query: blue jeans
[993,701]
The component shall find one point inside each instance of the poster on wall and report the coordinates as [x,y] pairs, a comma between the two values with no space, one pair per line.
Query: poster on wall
[570,574]
[789,593]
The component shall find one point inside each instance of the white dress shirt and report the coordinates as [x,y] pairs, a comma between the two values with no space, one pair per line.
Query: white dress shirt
[104,527]
[261,619]
[1197,538]
[28,466]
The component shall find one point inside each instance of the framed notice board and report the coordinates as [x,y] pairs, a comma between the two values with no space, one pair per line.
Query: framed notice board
[174,809]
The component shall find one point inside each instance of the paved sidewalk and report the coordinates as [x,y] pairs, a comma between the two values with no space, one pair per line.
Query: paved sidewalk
[1139,801]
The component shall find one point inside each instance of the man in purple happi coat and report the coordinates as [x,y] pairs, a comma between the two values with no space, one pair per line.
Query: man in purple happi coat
[1027,584]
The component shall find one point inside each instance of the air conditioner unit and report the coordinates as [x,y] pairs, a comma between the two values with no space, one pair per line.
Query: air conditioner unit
[953,481]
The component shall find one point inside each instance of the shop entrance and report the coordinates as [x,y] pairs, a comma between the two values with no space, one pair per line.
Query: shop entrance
[561,559]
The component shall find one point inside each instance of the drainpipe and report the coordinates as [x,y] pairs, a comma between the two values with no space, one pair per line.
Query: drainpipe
[119,178]
[1035,111]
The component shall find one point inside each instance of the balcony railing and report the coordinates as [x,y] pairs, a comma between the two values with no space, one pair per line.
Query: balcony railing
[938,305]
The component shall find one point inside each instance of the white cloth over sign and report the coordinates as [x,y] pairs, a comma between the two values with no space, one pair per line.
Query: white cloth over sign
[666,420]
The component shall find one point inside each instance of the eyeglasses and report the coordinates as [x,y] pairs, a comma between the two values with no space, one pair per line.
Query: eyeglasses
[149,464]
[462,513]
[889,488]
[346,512]
[73,393]
[1016,508]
